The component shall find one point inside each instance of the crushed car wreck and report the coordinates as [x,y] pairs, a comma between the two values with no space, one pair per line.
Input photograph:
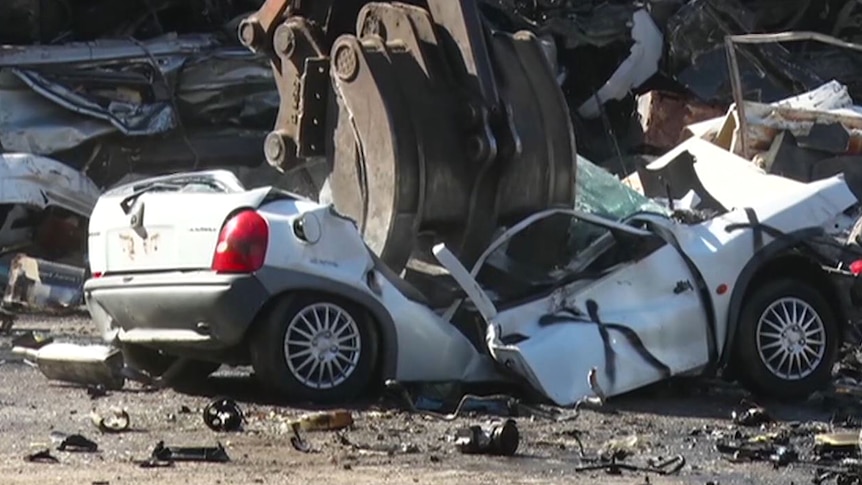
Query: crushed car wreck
[265,277]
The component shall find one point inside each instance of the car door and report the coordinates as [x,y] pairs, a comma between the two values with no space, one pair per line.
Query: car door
[618,299]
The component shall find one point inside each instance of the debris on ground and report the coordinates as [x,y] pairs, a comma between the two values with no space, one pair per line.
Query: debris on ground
[335,420]
[669,466]
[752,416]
[31,340]
[389,449]
[223,414]
[324,421]
[43,456]
[73,442]
[115,420]
[498,437]
[163,455]
[80,364]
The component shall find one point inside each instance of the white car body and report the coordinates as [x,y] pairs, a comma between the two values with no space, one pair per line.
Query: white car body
[679,299]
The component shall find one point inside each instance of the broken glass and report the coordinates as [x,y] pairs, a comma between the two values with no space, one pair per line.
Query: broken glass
[601,193]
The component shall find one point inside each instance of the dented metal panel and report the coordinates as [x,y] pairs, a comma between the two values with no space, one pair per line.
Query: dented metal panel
[41,182]
[30,123]
[151,87]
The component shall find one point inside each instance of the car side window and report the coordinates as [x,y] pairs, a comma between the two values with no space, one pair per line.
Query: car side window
[549,253]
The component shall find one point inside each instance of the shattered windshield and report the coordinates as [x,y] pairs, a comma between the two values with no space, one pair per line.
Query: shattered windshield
[601,193]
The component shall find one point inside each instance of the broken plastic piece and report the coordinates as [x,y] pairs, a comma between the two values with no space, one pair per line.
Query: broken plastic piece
[223,414]
[297,441]
[498,437]
[214,454]
[754,416]
[73,442]
[116,421]
[43,456]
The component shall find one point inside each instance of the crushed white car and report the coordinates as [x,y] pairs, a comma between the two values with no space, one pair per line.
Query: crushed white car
[194,269]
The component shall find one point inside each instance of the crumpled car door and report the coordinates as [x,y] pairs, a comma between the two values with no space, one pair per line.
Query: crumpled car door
[637,322]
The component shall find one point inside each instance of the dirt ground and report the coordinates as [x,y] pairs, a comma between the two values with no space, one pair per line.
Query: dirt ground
[680,417]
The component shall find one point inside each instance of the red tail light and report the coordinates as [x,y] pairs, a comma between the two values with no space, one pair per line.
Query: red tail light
[242,244]
[856,267]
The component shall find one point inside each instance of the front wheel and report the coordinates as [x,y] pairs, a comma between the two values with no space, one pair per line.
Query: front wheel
[787,340]
[315,347]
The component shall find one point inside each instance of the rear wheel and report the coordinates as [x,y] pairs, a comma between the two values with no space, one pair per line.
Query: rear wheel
[315,347]
[155,363]
[787,341]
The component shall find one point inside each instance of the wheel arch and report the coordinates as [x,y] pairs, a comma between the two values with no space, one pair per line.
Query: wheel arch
[779,259]
[284,283]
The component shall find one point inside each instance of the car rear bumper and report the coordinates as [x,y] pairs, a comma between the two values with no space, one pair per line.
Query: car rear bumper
[198,309]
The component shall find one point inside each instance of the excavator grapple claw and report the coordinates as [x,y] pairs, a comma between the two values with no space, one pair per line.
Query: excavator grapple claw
[435,126]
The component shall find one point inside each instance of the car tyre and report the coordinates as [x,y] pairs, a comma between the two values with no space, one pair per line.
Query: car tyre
[155,363]
[782,355]
[315,347]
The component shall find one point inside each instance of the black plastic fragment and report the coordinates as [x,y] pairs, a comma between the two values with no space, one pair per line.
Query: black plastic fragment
[74,442]
[43,456]
[212,454]
[223,414]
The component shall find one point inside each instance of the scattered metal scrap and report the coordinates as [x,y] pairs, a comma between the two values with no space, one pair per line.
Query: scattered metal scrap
[502,403]
[752,416]
[167,455]
[389,449]
[778,452]
[669,466]
[323,421]
[497,437]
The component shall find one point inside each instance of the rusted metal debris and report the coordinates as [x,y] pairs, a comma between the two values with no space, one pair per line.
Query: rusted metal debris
[664,116]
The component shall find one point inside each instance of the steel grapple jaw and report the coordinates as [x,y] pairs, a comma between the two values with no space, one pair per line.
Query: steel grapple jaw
[436,126]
